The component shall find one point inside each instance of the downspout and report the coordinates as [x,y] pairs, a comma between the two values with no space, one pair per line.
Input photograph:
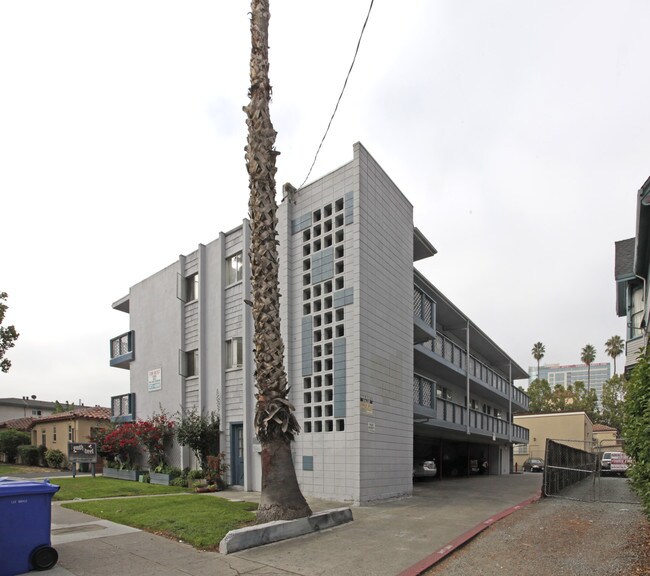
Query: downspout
[511,388]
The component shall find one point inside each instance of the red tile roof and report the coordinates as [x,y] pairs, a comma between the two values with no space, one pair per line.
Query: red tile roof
[603,428]
[89,413]
[18,424]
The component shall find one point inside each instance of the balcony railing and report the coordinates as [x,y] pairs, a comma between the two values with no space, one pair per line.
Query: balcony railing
[122,350]
[457,356]
[451,413]
[123,408]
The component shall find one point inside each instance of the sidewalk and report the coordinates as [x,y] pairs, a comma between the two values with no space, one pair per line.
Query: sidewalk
[384,539]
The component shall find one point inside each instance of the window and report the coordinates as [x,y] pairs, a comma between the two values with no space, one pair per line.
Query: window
[36,412]
[188,363]
[192,288]
[636,313]
[53,433]
[43,437]
[234,269]
[443,392]
[70,434]
[234,353]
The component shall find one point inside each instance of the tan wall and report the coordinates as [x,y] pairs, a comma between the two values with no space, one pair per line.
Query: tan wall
[80,432]
[607,440]
[575,426]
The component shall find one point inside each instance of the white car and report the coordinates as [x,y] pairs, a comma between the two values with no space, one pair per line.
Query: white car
[424,469]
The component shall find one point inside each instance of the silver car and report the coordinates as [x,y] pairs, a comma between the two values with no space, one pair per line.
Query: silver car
[424,469]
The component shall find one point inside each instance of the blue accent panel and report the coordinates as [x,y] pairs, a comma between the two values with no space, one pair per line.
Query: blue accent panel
[343,297]
[307,462]
[299,224]
[322,265]
[338,379]
[349,208]
[307,346]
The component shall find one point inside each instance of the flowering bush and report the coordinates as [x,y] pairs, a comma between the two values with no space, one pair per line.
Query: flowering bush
[216,470]
[122,446]
[156,434]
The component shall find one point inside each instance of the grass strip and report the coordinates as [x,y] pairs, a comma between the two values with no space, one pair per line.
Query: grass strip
[201,520]
[85,487]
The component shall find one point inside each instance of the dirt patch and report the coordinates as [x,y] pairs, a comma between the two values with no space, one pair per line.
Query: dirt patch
[556,536]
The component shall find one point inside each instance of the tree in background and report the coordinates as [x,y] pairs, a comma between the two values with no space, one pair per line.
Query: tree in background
[588,355]
[8,335]
[584,400]
[614,347]
[636,423]
[10,439]
[613,402]
[539,392]
[275,422]
[538,352]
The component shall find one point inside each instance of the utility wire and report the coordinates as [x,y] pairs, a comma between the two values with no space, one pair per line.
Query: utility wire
[341,94]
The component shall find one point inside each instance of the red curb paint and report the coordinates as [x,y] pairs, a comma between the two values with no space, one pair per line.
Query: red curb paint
[438,555]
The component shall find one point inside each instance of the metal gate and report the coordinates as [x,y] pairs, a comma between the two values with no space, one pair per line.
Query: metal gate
[576,470]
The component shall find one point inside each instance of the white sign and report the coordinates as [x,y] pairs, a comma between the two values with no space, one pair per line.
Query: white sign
[371,426]
[154,380]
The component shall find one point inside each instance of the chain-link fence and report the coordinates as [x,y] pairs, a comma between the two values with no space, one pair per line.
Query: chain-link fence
[588,471]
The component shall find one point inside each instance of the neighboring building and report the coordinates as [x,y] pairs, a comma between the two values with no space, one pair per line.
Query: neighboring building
[22,424]
[25,407]
[571,373]
[607,438]
[56,430]
[572,428]
[632,268]
[377,357]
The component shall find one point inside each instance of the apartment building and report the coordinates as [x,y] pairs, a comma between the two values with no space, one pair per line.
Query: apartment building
[568,374]
[383,368]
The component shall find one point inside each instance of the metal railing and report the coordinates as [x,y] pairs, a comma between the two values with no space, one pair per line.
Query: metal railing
[457,356]
[122,344]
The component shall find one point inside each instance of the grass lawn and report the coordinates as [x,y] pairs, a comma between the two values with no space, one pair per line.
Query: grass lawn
[19,469]
[198,519]
[85,487]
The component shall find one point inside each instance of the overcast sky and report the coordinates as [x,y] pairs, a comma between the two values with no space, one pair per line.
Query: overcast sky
[518,130]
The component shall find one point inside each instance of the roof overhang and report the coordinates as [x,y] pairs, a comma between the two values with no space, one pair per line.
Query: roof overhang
[422,248]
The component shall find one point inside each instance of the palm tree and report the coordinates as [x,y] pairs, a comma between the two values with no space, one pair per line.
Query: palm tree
[275,422]
[588,355]
[614,347]
[538,352]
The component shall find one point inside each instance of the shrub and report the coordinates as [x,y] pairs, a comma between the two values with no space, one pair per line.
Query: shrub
[200,433]
[195,475]
[10,439]
[41,455]
[636,423]
[55,458]
[29,454]
[216,470]
[122,446]
[180,481]
[156,435]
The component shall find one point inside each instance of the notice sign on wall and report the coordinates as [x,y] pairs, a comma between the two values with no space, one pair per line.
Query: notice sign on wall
[154,380]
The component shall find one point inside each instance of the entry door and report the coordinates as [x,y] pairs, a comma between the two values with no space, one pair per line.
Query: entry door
[237,454]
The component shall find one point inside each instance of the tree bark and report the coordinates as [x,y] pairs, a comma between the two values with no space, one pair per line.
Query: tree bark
[275,423]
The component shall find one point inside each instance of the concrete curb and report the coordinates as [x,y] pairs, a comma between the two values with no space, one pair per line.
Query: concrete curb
[456,543]
[253,536]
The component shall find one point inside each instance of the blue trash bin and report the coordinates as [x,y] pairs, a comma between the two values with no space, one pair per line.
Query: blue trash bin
[25,522]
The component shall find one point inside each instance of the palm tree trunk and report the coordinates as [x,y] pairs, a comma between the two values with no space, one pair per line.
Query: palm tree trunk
[275,423]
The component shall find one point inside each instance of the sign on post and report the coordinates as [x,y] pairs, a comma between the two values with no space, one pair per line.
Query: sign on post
[82,452]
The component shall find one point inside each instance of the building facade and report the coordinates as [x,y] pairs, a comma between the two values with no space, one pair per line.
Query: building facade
[376,356]
[574,429]
[569,374]
[632,270]
[25,407]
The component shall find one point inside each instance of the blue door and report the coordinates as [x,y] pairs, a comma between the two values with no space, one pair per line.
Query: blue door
[237,454]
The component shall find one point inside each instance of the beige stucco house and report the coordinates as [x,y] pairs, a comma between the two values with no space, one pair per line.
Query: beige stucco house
[56,430]
[575,428]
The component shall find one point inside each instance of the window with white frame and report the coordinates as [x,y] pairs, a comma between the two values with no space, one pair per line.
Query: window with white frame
[234,269]
[234,353]
[70,434]
[53,433]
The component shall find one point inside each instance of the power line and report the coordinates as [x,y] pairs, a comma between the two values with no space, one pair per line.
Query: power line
[341,94]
